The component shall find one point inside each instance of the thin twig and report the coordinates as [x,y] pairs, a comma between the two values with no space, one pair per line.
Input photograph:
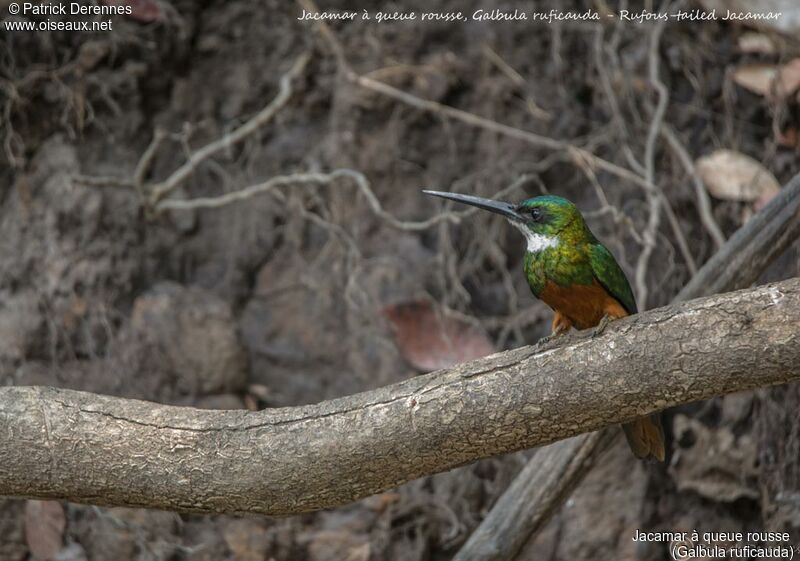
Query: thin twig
[683,245]
[517,79]
[619,122]
[532,138]
[653,196]
[613,103]
[617,215]
[318,178]
[164,188]
[103,181]
[358,178]
[327,34]
[703,200]
[143,166]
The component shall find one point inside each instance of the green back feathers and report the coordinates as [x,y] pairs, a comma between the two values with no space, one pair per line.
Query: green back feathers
[608,273]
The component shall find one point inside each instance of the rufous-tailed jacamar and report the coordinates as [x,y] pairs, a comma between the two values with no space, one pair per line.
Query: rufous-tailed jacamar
[573,273]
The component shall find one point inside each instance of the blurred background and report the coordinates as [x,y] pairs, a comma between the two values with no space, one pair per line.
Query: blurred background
[121,274]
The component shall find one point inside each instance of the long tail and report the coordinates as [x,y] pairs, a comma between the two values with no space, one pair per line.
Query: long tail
[646,437]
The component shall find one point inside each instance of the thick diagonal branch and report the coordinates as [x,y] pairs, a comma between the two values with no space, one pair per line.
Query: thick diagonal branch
[104,450]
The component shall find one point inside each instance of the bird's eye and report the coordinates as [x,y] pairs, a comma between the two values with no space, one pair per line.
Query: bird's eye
[536,213]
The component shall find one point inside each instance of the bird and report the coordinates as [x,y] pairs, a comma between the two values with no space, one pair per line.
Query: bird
[572,272]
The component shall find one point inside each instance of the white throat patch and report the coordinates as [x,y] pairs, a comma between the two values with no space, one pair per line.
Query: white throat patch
[536,242]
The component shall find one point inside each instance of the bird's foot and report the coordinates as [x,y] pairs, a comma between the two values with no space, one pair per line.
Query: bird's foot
[554,335]
[598,330]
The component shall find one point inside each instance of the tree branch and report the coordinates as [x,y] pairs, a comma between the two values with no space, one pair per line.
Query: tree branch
[104,450]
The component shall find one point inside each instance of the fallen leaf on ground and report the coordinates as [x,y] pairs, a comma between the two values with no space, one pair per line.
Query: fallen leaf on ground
[755,42]
[429,340]
[734,176]
[769,80]
[790,76]
[755,77]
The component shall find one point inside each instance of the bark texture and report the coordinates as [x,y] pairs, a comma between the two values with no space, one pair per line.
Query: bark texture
[110,451]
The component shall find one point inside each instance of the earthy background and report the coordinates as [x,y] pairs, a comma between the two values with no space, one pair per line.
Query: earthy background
[308,292]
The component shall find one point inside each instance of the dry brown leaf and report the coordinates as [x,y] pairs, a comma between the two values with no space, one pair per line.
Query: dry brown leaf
[430,341]
[755,42]
[734,176]
[790,77]
[756,77]
[44,528]
[774,82]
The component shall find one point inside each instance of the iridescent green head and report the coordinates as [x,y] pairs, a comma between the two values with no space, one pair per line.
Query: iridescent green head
[545,221]
[548,215]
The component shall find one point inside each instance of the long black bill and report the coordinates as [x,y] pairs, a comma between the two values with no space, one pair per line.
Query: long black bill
[505,209]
